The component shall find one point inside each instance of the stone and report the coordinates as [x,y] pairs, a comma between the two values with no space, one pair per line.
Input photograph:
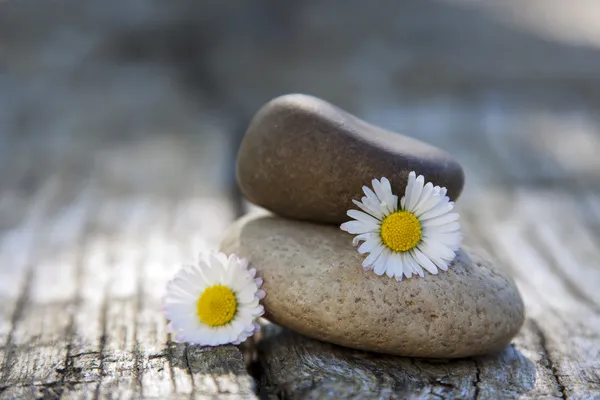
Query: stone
[316,286]
[305,158]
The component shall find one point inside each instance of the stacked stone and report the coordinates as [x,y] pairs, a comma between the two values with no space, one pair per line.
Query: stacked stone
[305,160]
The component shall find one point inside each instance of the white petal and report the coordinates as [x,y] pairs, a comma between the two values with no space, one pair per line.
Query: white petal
[414,264]
[214,261]
[177,292]
[369,245]
[375,212]
[364,218]
[397,264]
[390,265]
[386,198]
[450,240]
[375,206]
[363,237]
[412,177]
[380,265]
[235,330]
[379,191]
[356,227]
[371,258]
[387,186]
[430,203]
[425,262]
[443,207]
[452,227]
[441,220]
[406,270]
[247,294]
[239,281]
[436,259]
[435,250]
[425,195]
[394,204]
[415,194]
[371,196]
[438,244]
[222,257]
[191,275]
[390,199]
[178,312]
[211,274]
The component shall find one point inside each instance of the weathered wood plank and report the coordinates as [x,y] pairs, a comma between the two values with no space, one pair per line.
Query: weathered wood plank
[531,344]
[528,124]
[567,325]
[119,348]
[298,367]
[45,321]
[88,321]
[16,245]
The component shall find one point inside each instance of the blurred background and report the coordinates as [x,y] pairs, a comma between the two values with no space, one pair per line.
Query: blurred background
[112,87]
[120,122]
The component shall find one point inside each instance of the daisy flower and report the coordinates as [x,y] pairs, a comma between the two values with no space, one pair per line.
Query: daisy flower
[214,302]
[422,233]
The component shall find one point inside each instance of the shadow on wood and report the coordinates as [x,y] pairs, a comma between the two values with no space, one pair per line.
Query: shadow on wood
[295,366]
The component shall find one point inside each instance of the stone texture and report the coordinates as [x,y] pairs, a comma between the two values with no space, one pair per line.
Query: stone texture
[315,285]
[304,158]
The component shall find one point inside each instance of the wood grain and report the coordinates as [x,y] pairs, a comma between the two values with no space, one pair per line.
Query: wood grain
[299,367]
[84,273]
[118,130]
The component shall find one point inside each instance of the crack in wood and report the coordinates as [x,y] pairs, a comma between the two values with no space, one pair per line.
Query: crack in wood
[75,303]
[170,355]
[85,353]
[102,344]
[22,300]
[477,379]
[138,368]
[58,383]
[188,366]
[549,362]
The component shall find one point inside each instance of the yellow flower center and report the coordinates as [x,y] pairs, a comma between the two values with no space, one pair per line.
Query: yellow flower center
[401,231]
[216,305]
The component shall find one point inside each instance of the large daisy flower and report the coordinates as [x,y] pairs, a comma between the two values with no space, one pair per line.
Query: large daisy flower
[422,233]
[214,302]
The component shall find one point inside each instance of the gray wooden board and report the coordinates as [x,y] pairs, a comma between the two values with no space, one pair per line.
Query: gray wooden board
[86,255]
[115,167]
[85,319]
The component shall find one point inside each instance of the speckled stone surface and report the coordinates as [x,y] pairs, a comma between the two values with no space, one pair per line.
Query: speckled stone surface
[315,285]
[304,158]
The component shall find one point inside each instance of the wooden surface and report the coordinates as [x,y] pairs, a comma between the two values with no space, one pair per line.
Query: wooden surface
[119,122]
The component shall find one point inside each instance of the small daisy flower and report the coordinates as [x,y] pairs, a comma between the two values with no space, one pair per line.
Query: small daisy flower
[214,302]
[422,233]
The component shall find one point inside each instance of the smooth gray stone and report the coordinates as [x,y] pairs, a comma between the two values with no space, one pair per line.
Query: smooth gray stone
[304,158]
[316,286]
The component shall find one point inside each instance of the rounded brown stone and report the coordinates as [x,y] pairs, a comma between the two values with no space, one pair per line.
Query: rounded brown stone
[304,158]
[316,286]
